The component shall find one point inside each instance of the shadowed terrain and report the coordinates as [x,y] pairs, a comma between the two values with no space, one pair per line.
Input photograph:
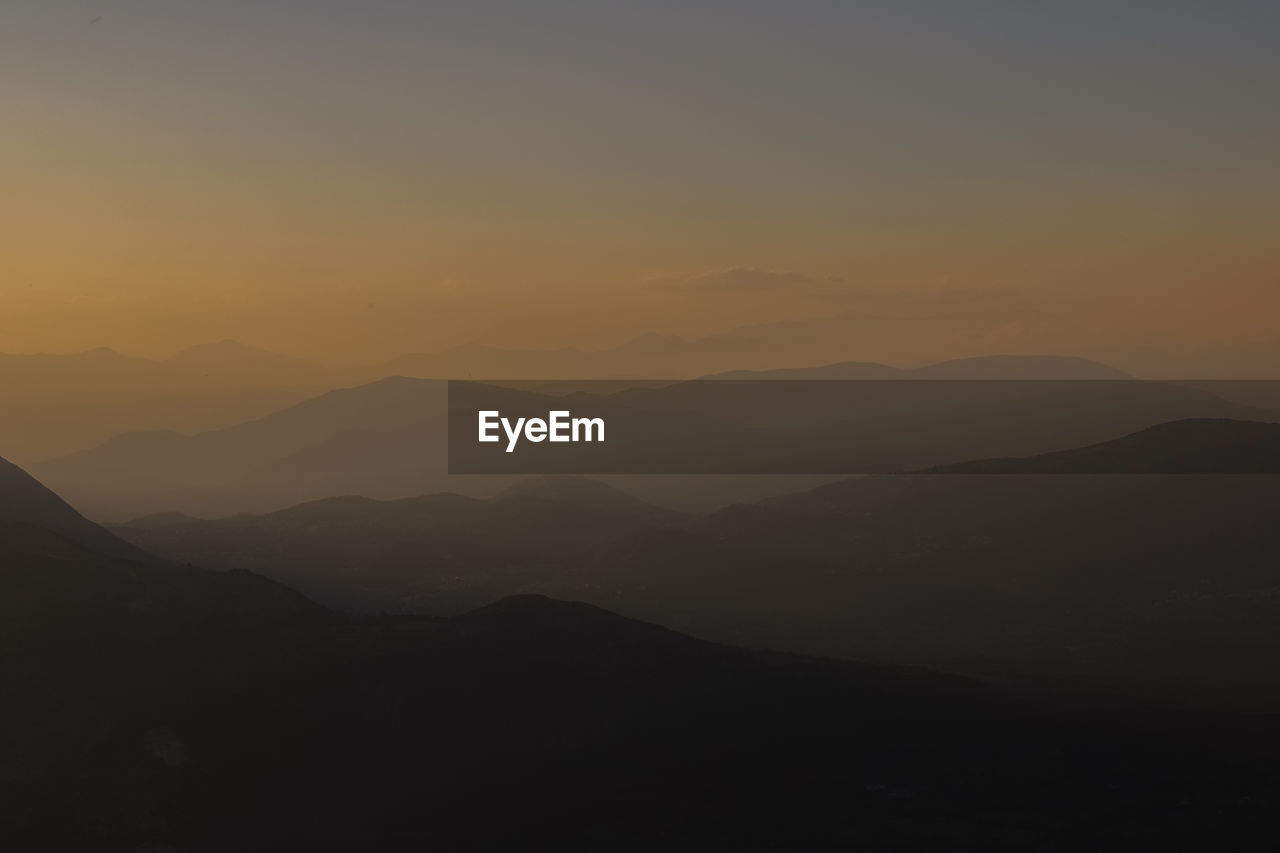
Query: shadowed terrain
[153,704]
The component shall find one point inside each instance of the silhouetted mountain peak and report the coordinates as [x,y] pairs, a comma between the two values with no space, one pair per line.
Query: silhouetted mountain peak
[101,354]
[567,619]
[1020,367]
[518,606]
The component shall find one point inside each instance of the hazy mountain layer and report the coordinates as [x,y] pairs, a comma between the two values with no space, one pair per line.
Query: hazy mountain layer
[386,439]
[54,404]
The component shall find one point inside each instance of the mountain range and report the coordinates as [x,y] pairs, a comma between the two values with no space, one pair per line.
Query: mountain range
[52,405]
[1080,582]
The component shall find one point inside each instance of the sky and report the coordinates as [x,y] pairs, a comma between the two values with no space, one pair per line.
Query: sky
[347,181]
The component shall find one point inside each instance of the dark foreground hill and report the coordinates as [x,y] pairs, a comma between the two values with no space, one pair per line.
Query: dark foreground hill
[155,707]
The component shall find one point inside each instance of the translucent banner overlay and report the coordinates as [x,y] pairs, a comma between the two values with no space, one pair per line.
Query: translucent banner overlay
[864,427]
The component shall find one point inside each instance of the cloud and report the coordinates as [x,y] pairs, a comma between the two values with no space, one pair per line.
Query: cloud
[756,280]
[751,280]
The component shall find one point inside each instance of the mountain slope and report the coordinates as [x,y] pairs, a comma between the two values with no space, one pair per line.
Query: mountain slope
[54,404]
[1193,446]
[24,501]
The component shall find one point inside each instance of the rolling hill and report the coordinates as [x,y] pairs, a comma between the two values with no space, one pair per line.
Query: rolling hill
[1159,586]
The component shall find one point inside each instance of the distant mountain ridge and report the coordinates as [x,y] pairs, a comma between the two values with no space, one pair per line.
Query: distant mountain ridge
[1161,586]
[588,494]
[1192,446]
[53,404]
[246,363]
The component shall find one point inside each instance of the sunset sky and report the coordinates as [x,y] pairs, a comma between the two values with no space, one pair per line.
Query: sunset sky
[351,180]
